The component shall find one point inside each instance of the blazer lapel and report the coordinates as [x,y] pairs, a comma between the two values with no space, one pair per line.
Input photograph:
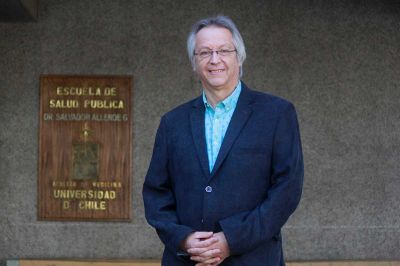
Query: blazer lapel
[198,133]
[239,118]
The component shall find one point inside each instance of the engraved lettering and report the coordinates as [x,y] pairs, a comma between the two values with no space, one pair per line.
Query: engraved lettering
[107,117]
[66,204]
[72,117]
[84,194]
[63,103]
[110,91]
[47,116]
[92,205]
[79,91]
[103,104]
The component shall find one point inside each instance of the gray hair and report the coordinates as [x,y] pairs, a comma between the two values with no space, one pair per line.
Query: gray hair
[218,21]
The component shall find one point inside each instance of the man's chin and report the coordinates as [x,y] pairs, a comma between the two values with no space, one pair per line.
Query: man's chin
[216,83]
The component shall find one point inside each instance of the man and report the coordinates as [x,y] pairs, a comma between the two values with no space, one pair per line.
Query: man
[227,168]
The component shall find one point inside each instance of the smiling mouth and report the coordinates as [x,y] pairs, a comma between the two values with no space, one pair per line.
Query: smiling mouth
[216,71]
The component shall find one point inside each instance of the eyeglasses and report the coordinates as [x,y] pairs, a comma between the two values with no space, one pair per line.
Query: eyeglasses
[203,54]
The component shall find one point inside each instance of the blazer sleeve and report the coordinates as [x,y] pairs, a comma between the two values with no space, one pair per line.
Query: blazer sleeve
[158,197]
[246,230]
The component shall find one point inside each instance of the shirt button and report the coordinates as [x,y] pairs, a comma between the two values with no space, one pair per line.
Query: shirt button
[208,189]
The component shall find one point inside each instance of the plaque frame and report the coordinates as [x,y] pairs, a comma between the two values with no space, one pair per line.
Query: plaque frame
[85,111]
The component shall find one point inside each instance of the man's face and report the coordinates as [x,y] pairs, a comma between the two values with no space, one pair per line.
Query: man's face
[217,72]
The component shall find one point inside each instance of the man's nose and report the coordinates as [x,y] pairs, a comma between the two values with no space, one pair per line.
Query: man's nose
[215,59]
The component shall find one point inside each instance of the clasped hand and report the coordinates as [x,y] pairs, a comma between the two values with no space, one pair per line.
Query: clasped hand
[206,248]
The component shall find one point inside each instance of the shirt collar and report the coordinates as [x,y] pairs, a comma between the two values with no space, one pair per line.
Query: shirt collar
[230,101]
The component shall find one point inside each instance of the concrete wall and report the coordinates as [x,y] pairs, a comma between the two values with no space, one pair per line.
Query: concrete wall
[337,61]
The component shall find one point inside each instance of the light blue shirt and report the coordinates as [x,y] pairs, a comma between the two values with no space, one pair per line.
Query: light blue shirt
[217,121]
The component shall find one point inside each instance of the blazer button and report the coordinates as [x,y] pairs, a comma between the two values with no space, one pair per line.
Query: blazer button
[208,189]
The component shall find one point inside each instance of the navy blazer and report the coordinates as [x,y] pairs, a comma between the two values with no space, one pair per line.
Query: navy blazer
[254,187]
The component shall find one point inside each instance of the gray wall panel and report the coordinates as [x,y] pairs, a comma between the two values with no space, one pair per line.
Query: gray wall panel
[337,61]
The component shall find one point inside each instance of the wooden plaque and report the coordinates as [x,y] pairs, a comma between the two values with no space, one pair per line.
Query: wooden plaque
[85,148]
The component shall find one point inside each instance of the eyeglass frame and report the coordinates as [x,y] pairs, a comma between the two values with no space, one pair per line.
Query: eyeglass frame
[219,52]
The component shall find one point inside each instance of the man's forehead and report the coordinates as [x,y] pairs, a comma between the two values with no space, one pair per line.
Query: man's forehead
[213,35]
[214,29]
